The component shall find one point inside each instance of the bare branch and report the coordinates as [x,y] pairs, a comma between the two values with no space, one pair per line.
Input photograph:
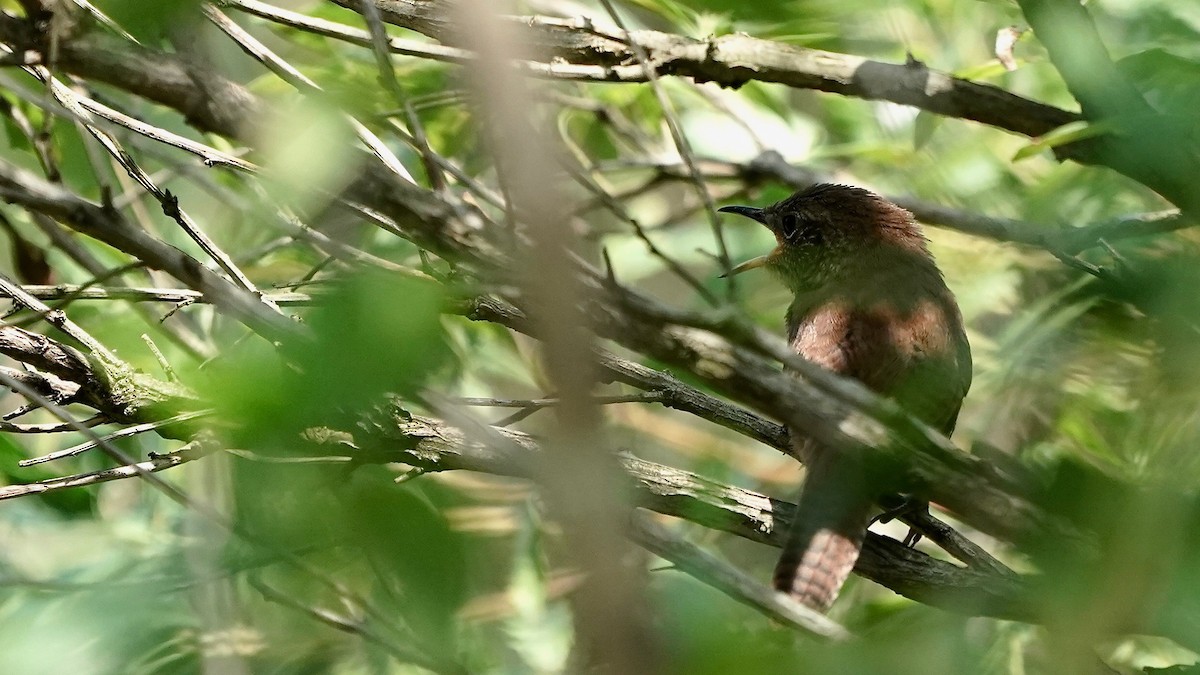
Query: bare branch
[732,60]
[432,445]
[45,354]
[837,411]
[681,144]
[72,292]
[771,166]
[731,581]
[294,77]
[94,220]
[76,450]
[56,318]
[154,464]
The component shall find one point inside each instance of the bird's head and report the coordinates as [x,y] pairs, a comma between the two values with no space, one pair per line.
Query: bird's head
[827,231]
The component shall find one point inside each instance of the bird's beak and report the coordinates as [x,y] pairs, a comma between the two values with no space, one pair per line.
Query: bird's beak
[755,214]
[753,263]
[749,211]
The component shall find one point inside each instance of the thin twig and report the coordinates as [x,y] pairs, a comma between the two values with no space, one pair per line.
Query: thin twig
[349,625]
[954,543]
[123,433]
[208,154]
[142,294]
[617,209]
[162,361]
[56,318]
[93,421]
[535,403]
[415,134]
[130,468]
[170,204]
[286,72]
[682,144]
[153,465]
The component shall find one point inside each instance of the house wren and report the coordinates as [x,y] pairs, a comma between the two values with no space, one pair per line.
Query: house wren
[870,304]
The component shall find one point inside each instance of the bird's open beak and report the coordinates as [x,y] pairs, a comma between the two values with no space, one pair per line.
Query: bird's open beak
[755,214]
[753,263]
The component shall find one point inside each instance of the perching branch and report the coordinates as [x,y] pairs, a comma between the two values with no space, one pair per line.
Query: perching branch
[432,445]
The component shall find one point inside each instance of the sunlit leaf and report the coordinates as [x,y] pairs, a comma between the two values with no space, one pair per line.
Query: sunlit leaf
[1067,133]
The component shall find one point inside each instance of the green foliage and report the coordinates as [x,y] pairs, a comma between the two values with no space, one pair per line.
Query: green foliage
[1071,132]
[397,320]
[1089,384]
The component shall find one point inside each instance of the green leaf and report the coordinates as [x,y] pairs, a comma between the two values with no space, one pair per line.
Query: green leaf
[1167,80]
[375,334]
[1067,133]
[411,548]
[984,71]
[150,20]
[924,127]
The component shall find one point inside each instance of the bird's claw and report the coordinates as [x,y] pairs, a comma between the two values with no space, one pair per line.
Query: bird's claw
[908,506]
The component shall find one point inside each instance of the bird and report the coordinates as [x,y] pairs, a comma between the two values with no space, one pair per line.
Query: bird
[869,303]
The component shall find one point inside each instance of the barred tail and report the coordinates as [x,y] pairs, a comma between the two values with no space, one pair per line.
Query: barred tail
[814,565]
[827,533]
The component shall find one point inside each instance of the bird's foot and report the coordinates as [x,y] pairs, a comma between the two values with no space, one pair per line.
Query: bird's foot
[900,506]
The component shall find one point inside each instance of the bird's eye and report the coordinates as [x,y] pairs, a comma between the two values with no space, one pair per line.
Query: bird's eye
[789,226]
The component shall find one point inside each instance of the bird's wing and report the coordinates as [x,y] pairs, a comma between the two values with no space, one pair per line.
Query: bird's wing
[912,353]
[915,354]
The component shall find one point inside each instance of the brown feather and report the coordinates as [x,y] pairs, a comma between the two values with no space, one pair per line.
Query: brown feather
[869,304]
